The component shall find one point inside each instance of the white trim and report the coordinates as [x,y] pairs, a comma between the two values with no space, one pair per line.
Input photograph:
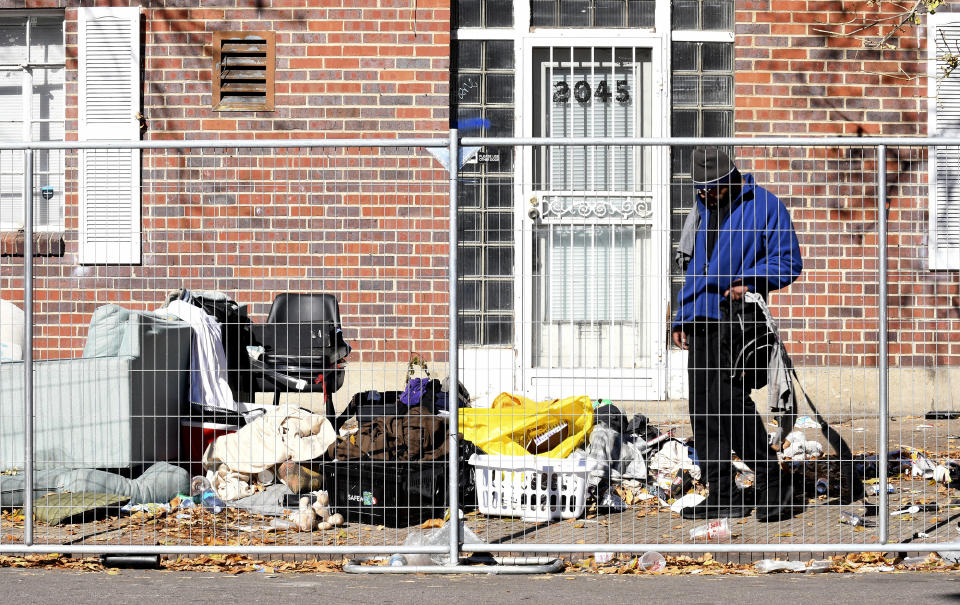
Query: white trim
[479,33]
[940,258]
[595,37]
[690,35]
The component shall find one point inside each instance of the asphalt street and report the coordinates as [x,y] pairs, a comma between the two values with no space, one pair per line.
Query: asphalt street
[146,586]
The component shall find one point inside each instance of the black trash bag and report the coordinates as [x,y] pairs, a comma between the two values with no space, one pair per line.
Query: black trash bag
[639,428]
[612,416]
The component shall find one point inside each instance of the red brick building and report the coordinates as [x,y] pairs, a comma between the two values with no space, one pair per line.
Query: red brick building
[575,298]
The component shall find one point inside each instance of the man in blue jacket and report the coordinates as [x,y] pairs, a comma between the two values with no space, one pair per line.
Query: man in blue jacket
[744,242]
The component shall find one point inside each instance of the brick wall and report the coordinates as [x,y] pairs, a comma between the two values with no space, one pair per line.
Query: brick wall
[367,225]
[793,79]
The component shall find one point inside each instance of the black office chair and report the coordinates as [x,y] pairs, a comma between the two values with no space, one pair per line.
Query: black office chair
[303,347]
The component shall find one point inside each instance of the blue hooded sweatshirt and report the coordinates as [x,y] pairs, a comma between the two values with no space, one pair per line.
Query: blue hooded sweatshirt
[756,245]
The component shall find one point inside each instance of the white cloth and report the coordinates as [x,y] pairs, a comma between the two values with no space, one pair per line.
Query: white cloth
[208,362]
[672,458]
[284,433]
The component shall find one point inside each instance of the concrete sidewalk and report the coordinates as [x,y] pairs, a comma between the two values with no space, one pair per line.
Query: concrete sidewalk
[59,586]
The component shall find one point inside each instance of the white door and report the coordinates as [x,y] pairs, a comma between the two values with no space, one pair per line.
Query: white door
[592,270]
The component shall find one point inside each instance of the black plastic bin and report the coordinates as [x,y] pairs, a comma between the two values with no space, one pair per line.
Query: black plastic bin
[394,494]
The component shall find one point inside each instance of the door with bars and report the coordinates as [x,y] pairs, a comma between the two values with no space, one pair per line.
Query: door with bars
[594,287]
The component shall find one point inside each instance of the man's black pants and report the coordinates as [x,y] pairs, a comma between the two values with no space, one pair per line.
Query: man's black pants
[724,418]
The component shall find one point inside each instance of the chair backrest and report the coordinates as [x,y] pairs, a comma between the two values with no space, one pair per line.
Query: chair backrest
[304,308]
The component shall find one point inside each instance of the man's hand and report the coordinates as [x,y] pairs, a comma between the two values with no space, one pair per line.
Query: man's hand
[736,291]
[680,337]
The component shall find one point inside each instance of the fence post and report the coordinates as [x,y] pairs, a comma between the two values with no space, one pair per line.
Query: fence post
[454,373]
[883,362]
[28,346]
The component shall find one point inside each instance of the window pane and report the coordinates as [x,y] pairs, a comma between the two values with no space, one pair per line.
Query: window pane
[501,122]
[498,330]
[543,13]
[499,261]
[468,13]
[685,90]
[499,88]
[609,13]
[13,42]
[640,13]
[468,88]
[717,123]
[46,41]
[685,14]
[499,13]
[499,54]
[500,226]
[468,226]
[681,159]
[468,261]
[500,192]
[469,120]
[468,193]
[717,56]
[717,90]
[468,54]
[684,56]
[717,14]
[499,295]
[574,13]
[468,329]
[468,294]
[506,160]
[11,113]
[683,123]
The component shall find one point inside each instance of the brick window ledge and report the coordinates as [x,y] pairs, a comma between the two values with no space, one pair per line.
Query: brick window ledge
[45,243]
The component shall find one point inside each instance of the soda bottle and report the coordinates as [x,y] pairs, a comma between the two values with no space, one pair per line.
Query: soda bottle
[718,529]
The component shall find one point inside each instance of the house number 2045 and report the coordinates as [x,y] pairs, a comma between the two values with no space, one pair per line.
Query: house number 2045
[582,92]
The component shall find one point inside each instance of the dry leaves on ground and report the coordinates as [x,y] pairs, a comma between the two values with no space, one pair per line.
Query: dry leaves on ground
[228,564]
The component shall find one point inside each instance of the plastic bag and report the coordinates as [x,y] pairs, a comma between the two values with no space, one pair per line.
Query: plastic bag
[513,423]
[435,537]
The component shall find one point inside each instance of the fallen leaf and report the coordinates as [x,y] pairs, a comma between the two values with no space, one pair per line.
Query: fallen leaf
[431,524]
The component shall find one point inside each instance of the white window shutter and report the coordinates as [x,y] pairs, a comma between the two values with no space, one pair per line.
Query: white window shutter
[109,99]
[944,116]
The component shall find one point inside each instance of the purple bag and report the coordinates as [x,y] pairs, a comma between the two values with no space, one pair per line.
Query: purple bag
[413,393]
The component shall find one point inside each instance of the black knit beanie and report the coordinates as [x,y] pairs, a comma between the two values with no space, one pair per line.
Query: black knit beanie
[711,167]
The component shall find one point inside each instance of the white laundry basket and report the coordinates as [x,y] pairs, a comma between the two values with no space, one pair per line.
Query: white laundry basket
[533,488]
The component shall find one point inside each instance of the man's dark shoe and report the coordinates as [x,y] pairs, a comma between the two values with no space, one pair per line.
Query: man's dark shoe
[777,504]
[712,509]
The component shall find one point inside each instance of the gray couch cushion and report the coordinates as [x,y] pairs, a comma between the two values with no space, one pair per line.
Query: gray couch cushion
[109,327]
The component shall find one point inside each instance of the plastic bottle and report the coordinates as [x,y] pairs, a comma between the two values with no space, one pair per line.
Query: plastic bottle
[397,561]
[202,491]
[718,529]
[198,485]
[211,502]
[822,486]
[850,518]
[874,490]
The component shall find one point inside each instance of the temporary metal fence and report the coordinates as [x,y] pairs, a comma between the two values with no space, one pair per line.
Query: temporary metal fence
[538,267]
